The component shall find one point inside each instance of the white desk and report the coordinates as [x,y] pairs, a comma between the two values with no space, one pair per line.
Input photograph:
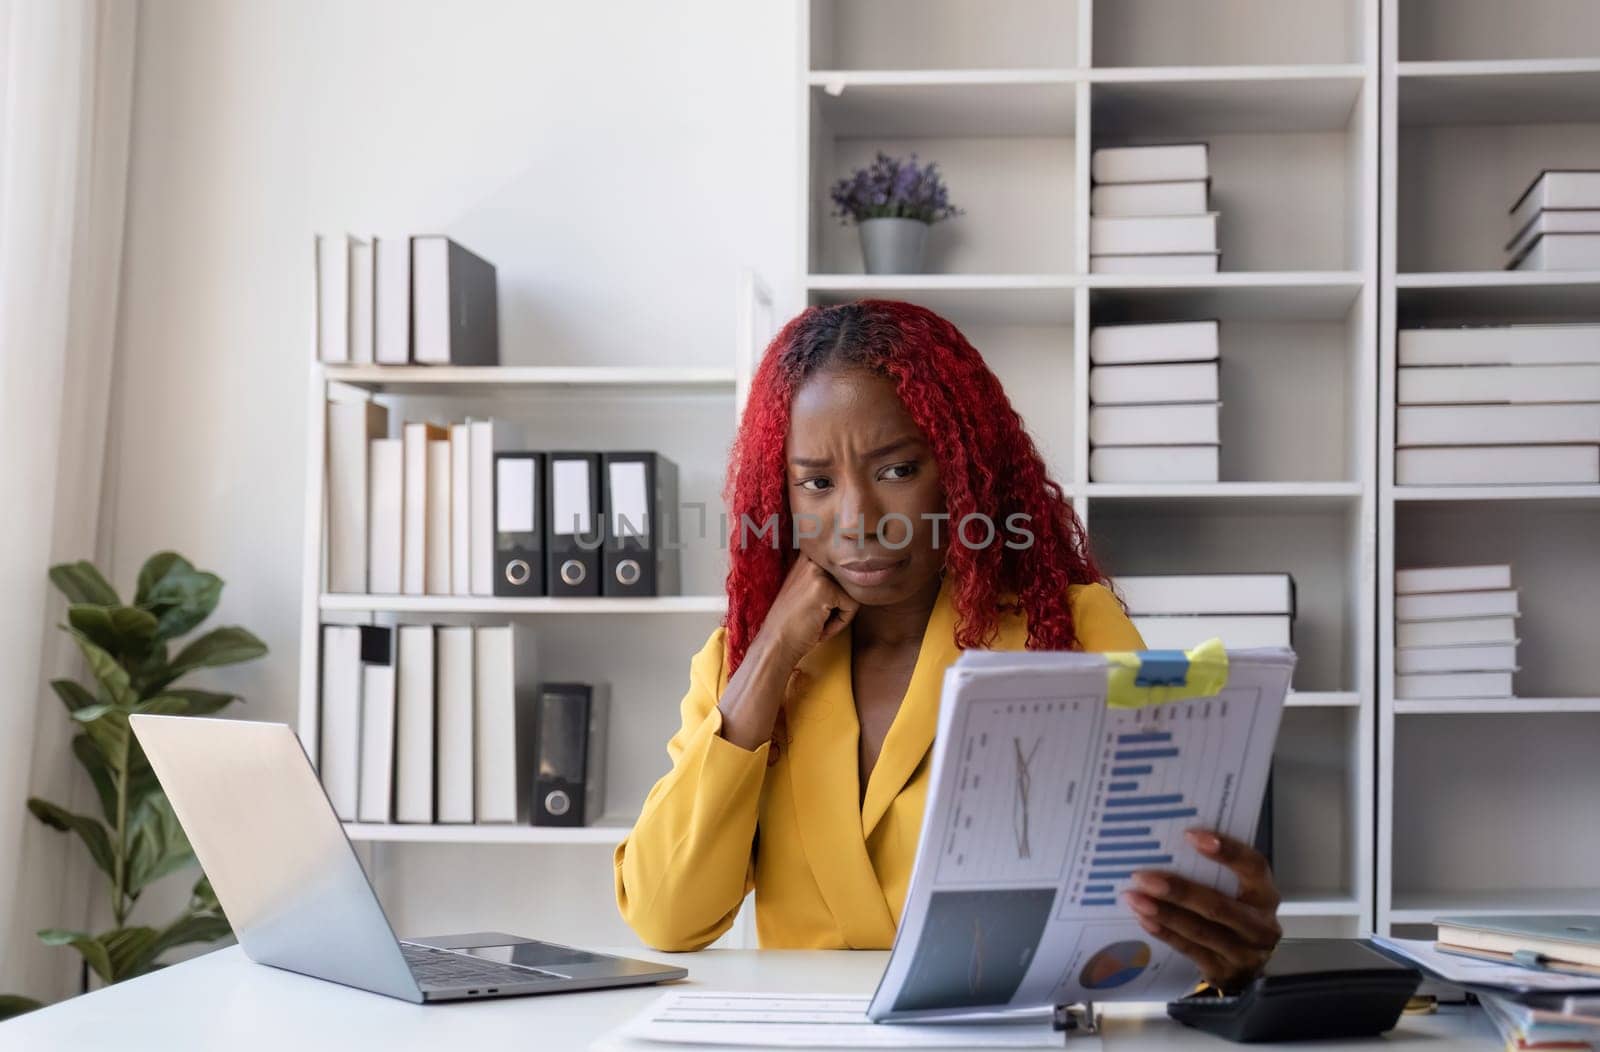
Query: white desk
[223,1001]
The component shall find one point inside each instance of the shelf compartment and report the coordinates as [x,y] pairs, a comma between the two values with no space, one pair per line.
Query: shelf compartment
[1535,91]
[1496,297]
[485,604]
[436,379]
[930,34]
[1332,699]
[1495,30]
[946,104]
[1421,907]
[1207,32]
[985,299]
[1493,706]
[1242,497]
[1295,905]
[1315,808]
[1181,102]
[610,830]
[1249,296]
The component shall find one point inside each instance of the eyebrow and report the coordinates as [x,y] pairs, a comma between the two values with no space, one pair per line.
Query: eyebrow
[871,454]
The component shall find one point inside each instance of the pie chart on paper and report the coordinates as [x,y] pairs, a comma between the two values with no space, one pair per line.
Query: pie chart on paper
[1114,965]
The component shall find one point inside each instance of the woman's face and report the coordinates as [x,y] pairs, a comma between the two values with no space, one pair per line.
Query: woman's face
[863,487]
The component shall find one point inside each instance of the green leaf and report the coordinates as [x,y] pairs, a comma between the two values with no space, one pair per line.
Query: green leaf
[11,1005]
[155,569]
[129,950]
[221,646]
[200,702]
[202,899]
[125,631]
[157,845]
[191,928]
[181,597]
[151,668]
[80,582]
[107,728]
[89,830]
[73,694]
[94,762]
[111,676]
[91,948]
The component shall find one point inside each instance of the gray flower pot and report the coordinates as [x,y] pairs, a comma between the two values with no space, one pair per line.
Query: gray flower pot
[893,246]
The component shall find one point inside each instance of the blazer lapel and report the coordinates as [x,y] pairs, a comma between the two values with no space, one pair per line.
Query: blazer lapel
[825,785]
[911,733]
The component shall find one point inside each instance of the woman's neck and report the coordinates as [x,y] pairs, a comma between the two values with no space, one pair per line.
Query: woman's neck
[896,624]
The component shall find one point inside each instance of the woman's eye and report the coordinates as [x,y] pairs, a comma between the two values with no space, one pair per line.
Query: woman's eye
[898,471]
[815,485]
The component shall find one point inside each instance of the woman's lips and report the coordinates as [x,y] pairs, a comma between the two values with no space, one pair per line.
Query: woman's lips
[869,572]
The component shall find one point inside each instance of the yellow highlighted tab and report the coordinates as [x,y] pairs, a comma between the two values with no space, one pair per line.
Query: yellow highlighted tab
[1135,679]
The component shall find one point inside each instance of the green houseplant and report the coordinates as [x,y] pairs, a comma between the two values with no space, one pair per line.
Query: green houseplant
[136,840]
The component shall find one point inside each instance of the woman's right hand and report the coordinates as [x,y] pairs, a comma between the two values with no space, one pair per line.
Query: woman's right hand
[810,608]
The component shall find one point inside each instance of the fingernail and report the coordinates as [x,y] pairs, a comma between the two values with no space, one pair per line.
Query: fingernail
[1149,882]
[1139,903]
[1206,842]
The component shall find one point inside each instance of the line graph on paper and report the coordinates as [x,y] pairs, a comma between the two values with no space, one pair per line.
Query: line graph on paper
[1019,780]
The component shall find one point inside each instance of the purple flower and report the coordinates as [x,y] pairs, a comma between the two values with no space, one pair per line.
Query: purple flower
[893,188]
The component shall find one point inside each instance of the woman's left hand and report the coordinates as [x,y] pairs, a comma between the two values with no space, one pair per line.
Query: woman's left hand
[1230,938]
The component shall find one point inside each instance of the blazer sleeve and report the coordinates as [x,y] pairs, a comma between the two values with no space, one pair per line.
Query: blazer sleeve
[689,860]
[1100,622]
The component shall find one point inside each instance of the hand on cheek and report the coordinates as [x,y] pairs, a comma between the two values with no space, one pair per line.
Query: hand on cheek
[1229,937]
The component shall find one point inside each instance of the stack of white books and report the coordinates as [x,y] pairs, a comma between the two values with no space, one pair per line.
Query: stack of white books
[1154,407]
[1149,211]
[1510,404]
[1179,611]
[422,723]
[412,515]
[1455,632]
[1555,224]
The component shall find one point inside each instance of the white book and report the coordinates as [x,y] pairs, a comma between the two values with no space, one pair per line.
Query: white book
[361,278]
[1153,384]
[454,304]
[1458,632]
[1174,263]
[1236,632]
[1511,425]
[1170,341]
[460,510]
[436,542]
[1150,199]
[1150,235]
[484,438]
[1247,593]
[1556,189]
[1574,221]
[1452,579]
[453,733]
[414,501]
[338,748]
[376,801]
[351,428]
[1499,657]
[1501,345]
[385,514]
[1446,686]
[1497,465]
[1450,606]
[1499,384]
[1560,252]
[503,658]
[1150,164]
[333,298]
[1155,425]
[1154,464]
[392,300]
[413,797]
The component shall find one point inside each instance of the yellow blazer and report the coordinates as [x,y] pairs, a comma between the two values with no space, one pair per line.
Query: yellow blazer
[829,869]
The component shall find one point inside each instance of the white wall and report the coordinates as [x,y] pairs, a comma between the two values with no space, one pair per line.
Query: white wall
[618,161]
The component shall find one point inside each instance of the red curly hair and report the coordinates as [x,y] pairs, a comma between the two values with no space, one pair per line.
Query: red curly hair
[987,465]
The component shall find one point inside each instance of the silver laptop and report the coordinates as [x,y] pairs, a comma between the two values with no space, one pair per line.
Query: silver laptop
[296,894]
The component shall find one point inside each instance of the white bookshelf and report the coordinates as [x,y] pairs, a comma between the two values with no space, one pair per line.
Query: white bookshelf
[1485,806]
[1010,98]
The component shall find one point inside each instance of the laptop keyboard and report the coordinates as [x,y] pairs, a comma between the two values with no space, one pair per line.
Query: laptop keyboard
[442,968]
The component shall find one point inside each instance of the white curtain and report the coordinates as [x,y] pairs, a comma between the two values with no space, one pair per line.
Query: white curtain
[66,83]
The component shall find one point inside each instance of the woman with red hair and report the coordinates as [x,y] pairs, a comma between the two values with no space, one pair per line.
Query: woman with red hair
[887,510]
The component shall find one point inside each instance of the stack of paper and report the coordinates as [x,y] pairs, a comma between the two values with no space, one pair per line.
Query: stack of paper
[1149,211]
[1155,411]
[1555,224]
[1178,611]
[1455,632]
[1509,404]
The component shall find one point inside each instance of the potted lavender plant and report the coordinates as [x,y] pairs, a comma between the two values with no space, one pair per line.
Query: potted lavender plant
[893,202]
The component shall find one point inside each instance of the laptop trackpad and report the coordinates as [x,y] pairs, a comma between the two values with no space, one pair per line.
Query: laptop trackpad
[547,957]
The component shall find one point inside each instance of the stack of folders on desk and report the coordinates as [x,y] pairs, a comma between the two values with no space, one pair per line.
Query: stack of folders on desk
[421,300]
[447,723]
[1154,409]
[1178,611]
[1149,211]
[1455,632]
[1498,405]
[1555,224]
